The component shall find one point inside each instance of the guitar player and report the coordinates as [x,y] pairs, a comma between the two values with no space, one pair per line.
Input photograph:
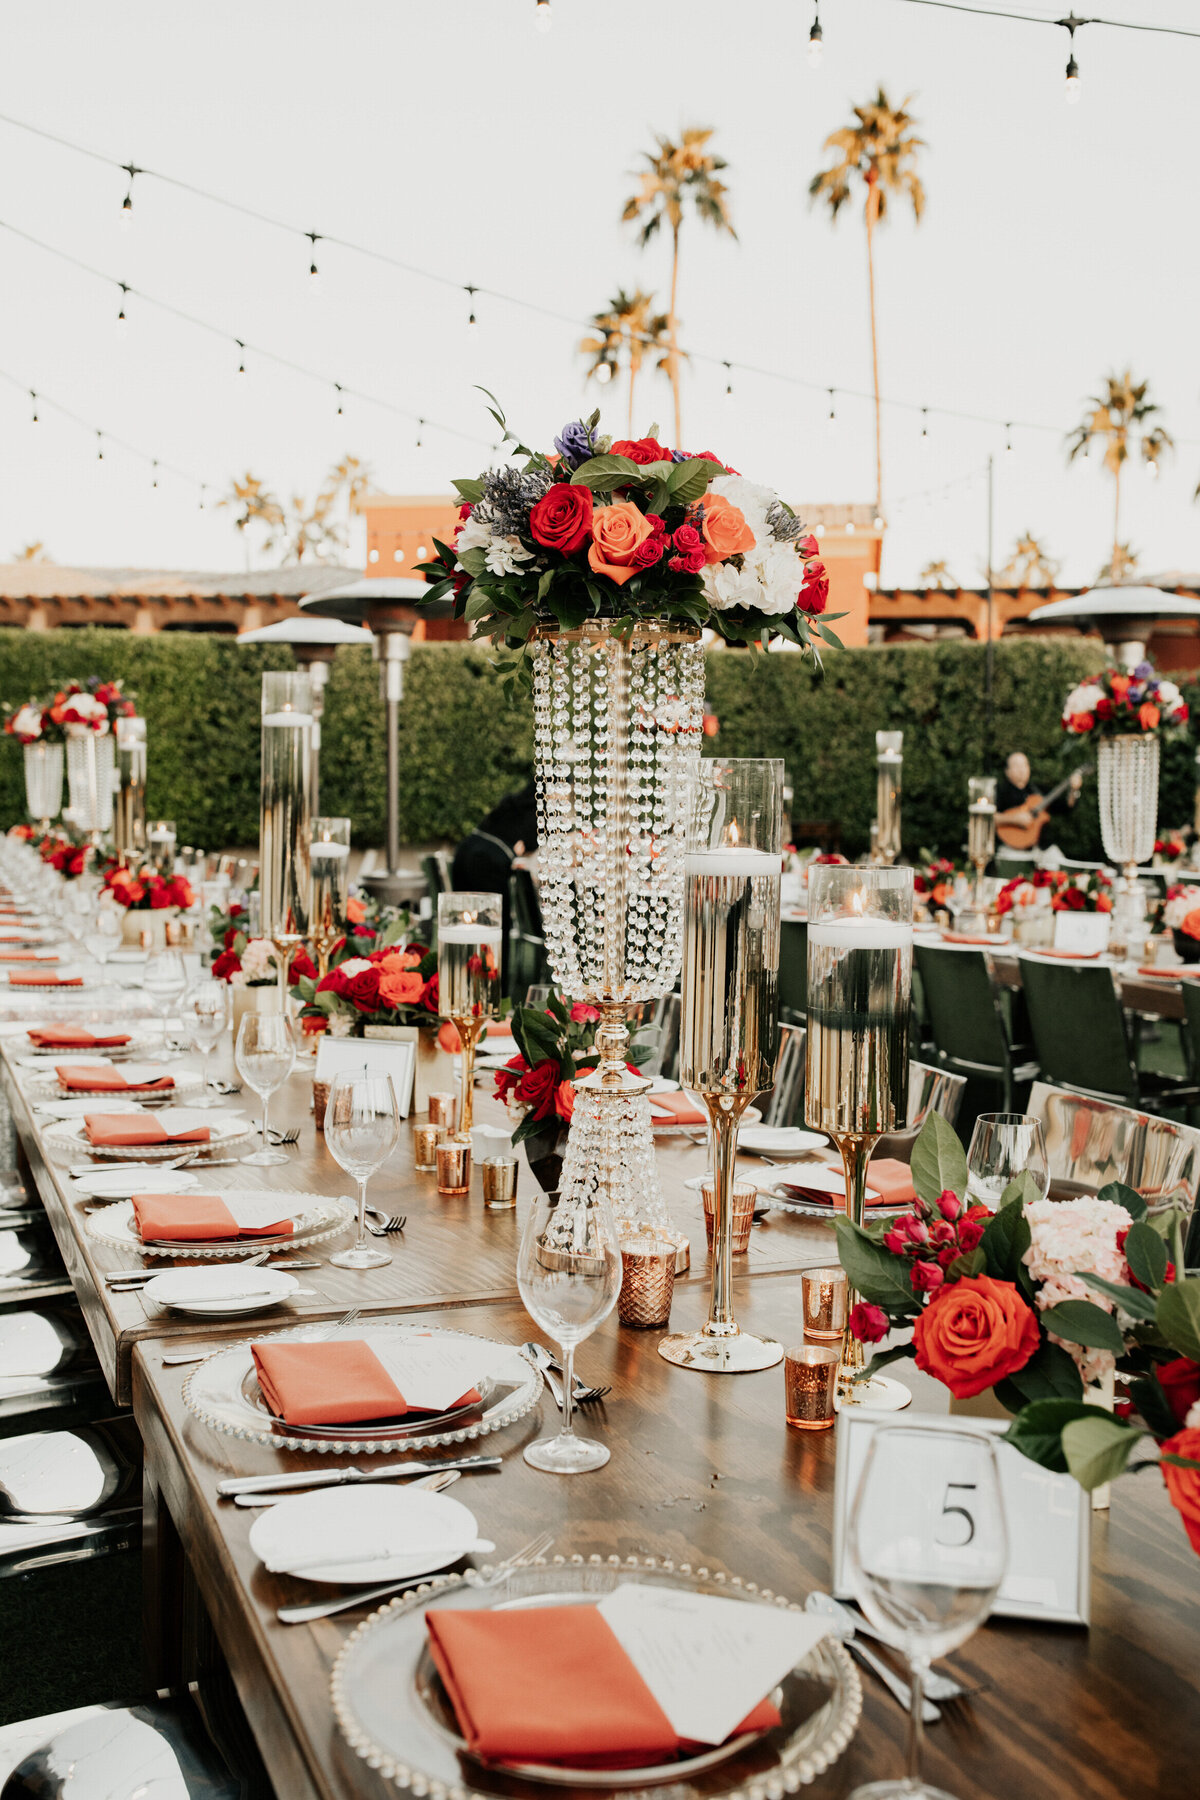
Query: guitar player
[1021,807]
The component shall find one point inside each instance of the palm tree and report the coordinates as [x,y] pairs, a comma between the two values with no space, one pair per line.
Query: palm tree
[881,150]
[33,553]
[674,173]
[1117,420]
[628,327]
[300,528]
[1029,566]
[937,575]
[1123,562]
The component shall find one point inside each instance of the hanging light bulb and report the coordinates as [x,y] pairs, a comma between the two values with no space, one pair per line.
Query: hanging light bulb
[1072,88]
[816,45]
[832,420]
[470,293]
[337,388]
[131,169]
[99,446]
[1008,449]
[542,16]
[604,371]
[241,356]
[124,290]
[33,397]
[924,428]
[154,474]
[314,274]
[420,429]
[728,381]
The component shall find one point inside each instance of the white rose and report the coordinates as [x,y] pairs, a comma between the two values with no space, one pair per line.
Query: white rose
[354,966]
[257,959]
[1085,698]
[28,722]
[473,536]
[1168,693]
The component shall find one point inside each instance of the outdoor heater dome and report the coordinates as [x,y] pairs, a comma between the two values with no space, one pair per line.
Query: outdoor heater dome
[1124,616]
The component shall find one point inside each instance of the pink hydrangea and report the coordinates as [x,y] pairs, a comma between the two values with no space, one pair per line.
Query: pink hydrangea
[1070,1236]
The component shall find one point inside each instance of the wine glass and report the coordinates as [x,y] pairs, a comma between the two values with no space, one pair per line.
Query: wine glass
[568,1274]
[206,1012]
[265,1054]
[1004,1145]
[164,979]
[928,1549]
[103,935]
[362,1128]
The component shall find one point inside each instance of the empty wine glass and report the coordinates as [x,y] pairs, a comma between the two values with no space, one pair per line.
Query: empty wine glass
[164,979]
[206,1014]
[568,1274]
[265,1053]
[103,934]
[928,1550]
[362,1128]
[1003,1145]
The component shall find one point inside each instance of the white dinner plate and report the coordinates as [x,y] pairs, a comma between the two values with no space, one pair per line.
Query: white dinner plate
[77,1106]
[314,1218]
[420,1531]
[780,1140]
[123,1183]
[223,1128]
[220,1290]
[817,1178]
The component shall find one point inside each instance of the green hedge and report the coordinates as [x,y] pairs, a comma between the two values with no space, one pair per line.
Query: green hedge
[463,744]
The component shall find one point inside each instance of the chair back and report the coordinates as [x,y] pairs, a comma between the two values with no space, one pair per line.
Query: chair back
[930,1090]
[1078,1029]
[662,1031]
[527,963]
[793,971]
[1189,1025]
[1091,1142]
[785,1102]
[962,1008]
[436,870]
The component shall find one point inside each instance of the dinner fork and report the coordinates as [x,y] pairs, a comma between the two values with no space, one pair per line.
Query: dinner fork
[300,1615]
[387,1221]
[581,1394]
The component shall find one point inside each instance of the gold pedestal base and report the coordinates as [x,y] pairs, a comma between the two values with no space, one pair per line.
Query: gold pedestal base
[737,1355]
[880,1394]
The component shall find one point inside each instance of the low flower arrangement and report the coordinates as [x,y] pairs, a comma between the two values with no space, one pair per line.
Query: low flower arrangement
[1037,1303]
[95,704]
[57,848]
[1182,911]
[1116,702]
[1171,847]
[554,1046]
[375,979]
[253,962]
[1056,889]
[934,878]
[144,890]
[627,529]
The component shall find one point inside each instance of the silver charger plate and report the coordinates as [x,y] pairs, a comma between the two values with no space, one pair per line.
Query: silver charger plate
[218,1392]
[817,1209]
[70,1136]
[392,1709]
[314,1216]
[47,1086]
[140,1045]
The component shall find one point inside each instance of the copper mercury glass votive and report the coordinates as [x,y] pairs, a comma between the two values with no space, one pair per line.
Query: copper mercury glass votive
[647,1280]
[442,1108]
[810,1374]
[824,1294]
[499,1183]
[426,1139]
[454,1165]
[742,1213]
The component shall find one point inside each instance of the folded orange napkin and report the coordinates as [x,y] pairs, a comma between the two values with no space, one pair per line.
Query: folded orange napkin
[27,956]
[50,979]
[1070,955]
[108,1081]
[132,1128]
[890,1181]
[553,1685]
[337,1383]
[72,1037]
[498,1028]
[1179,972]
[966,937]
[685,1110]
[192,1218]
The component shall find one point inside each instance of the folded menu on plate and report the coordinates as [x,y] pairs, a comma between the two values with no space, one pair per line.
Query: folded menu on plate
[553,1685]
[889,1183]
[683,1110]
[138,1128]
[73,1037]
[343,1382]
[194,1218]
[49,979]
[107,1078]
[46,959]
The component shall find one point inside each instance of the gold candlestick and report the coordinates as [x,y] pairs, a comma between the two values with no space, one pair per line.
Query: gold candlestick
[469,944]
[889,767]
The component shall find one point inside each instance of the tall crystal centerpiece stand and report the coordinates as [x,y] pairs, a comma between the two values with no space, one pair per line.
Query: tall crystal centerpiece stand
[860,942]
[729,1038]
[90,779]
[889,768]
[329,857]
[1127,781]
[285,814]
[129,798]
[470,940]
[43,782]
[617,734]
[981,844]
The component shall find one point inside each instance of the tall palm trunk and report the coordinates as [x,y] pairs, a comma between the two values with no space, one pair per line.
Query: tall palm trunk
[872,214]
[674,336]
[1116,574]
[633,370]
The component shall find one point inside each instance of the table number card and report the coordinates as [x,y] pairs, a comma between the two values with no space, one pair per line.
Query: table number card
[337,1054]
[1084,933]
[1049,1520]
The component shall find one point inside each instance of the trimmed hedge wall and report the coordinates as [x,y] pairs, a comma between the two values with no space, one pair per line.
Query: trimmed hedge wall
[463,745]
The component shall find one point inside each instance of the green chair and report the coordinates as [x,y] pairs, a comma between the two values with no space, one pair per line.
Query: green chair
[526,965]
[966,1018]
[793,972]
[1082,1040]
[436,870]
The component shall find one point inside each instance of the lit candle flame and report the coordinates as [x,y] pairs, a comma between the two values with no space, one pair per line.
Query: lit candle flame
[733,836]
[856,903]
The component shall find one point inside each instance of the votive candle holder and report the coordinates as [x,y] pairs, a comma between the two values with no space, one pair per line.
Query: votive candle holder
[810,1386]
[426,1139]
[499,1183]
[443,1109]
[454,1166]
[742,1213]
[647,1280]
[824,1292]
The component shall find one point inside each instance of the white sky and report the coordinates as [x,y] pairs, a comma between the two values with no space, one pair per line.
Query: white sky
[1058,243]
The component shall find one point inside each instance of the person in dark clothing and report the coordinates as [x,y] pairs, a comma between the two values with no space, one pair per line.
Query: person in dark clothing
[488,855]
[1016,789]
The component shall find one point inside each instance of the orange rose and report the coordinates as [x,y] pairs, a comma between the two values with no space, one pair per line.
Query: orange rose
[973,1333]
[617,531]
[1104,903]
[564,1099]
[1191,925]
[724,528]
[399,987]
[1148,716]
[943,893]
[1183,1485]
[1119,685]
[356,912]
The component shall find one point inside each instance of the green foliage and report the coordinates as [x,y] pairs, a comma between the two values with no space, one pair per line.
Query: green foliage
[938,1160]
[1179,1316]
[1037,1431]
[874,1272]
[1098,1448]
[1082,1322]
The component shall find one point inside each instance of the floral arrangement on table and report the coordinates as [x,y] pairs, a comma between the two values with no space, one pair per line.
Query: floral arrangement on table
[1044,1303]
[1117,701]
[145,890]
[254,962]
[1058,890]
[554,1045]
[93,703]
[934,878]
[387,978]
[627,529]
[1182,911]
[1171,847]
[63,854]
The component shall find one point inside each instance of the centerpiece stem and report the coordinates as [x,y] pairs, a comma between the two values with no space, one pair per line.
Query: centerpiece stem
[855,1148]
[725,1111]
[468,1034]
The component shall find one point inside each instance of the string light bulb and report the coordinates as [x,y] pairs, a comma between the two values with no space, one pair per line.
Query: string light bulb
[314,274]
[924,428]
[131,169]
[241,356]
[1008,449]
[99,446]
[471,293]
[33,397]
[337,388]
[832,420]
[420,429]
[124,287]
[543,19]
[728,380]
[154,474]
[1071,94]
[816,43]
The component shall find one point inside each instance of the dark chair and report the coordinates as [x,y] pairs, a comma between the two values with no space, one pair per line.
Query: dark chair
[784,1105]
[527,964]
[47,1363]
[69,1493]
[965,1014]
[159,1746]
[661,1030]
[436,870]
[826,834]
[1082,1040]
[793,972]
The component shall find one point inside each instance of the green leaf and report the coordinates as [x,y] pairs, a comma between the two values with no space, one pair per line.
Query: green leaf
[469,491]
[1128,1197]
[396,933]
[878,1275]
[1178,1316]
[1082,1322]
[606,472]
[543,587]
[1006,1236]
[1038,1429]
[1131,1300]
[1152,1403]
[1097,1449]
[474,561]
[688,480]
[1146,1255]
[1050,1374]
[1022,1187]
[938,1160]
[971,1262]
[882,1358]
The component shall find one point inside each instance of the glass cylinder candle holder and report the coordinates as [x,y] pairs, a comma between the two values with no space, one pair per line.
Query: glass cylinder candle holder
[454,1165]
[499,1182]
[470,939]
[729,1039]
[810,1375]
[856,1068]
[426,1139]
[889,767]
[129,796]
[285,811]
[823,1302]
[329,858]
[442,1109]
[745,1193]
[647,1280]
[161,840]
[981,830]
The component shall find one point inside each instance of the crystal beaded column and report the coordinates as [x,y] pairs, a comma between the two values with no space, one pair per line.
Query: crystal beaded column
[1127,780]
[43,782]
[285,870]
[90,778]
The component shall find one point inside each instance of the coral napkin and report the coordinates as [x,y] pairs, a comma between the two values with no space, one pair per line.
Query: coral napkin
[889,1181]
[27,956]
[337,1383]
[1175,972]
[71,1037]
[685,1111]
[133,1128]
[1069,955]
[965,937]
[553,1685]
[50,979]
[108,1081]
[193,1218]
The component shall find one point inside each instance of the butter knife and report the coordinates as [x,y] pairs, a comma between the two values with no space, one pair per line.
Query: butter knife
[271,1484]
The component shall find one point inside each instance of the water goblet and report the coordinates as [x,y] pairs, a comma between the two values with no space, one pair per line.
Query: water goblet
[265,1054]
[362,1128]
[206,1013]
[103,935]
[569,1275]
[1004,1145]
[164,979]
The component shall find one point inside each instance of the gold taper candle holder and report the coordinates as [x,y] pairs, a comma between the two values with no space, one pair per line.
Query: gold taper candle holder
[470,938]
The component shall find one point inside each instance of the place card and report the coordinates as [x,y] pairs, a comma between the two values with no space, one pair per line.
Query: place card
[335,1055]
[1049,1519]
[1084,933]
[433,1372]
[707,1661]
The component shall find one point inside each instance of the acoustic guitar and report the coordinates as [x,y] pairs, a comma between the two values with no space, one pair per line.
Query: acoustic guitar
[1025,837]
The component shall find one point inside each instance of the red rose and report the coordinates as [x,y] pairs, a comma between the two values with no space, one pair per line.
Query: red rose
[814,595]
[301,964]
[508,1077]
[564,1100]
[658,525]
[363,989]
[808,546]
[640,450]
[1180,1382]
[429,999]
[649,553]
[161,893]
[584,1014]
[538,1086]
[230,935]
[1183,1485]
[562,519]
[926,1276]
[687,538]
[868,1323]
[949,1204]
[227,964]
[973,1333]
[970,1231]
[181,892]
[333,983]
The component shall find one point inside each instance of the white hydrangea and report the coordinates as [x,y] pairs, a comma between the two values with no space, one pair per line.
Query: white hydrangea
[475,535]
[28,722]
[1085,698]
[1168,694]
[505,555]
[258,960]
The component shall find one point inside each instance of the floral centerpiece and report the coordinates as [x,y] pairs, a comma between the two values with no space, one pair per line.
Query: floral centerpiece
[627,529]
[1181,917]
[63,854]
[1057,890]
[1170,847]
[253,962]
[377,977]
[1117,702]
[1043,1304]
[33,722]
[934,878]
[144,890]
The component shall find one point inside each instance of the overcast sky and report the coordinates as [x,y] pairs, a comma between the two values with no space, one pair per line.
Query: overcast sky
[1058,243]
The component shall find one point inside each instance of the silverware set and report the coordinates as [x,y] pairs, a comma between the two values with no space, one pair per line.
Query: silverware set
[849,1626]
[175,1359]
[280,1139]
[581,1393]
[384,1222]
[300,1615]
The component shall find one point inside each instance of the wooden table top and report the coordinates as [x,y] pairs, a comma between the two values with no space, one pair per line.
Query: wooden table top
[704,1470]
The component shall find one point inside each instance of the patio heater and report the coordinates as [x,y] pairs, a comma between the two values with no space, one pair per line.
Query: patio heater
[1124,616]
[314,642]
[388,606]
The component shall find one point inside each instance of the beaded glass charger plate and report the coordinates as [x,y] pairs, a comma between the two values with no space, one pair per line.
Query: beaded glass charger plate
[46,1085]
[392,1708]
[223,1128]
[223,1392]
[141,1044]
[314,1217]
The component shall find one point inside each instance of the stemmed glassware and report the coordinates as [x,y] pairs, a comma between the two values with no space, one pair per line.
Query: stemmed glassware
[568,1275]
[469,952]
[164,979]
[206,1011]
[928,1550]
[265,1054]
[1003,1145]
[362,1128]
[103,935]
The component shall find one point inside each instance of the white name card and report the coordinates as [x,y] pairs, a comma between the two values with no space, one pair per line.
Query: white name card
[1085,933]
[334,1055]
[1049,1520]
